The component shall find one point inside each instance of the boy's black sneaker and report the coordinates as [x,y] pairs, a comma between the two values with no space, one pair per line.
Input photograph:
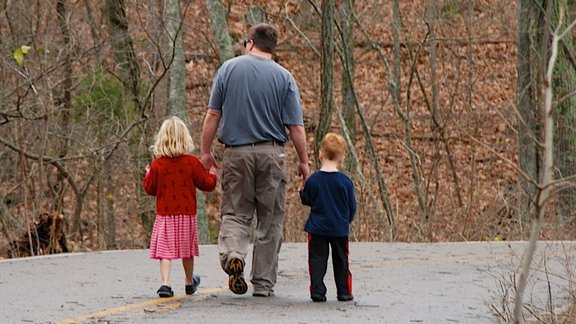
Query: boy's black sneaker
[317,298]
[165,291]
[345,297]
[190,289]
[236,281]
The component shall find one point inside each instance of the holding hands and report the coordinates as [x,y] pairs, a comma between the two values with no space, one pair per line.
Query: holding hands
[208,161]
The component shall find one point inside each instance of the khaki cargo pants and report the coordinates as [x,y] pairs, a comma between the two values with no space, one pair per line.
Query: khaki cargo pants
[253,184]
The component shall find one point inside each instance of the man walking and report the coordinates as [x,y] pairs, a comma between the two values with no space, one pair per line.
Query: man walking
[253,101]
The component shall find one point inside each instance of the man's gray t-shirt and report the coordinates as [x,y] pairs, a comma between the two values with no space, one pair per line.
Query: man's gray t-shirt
[257,98]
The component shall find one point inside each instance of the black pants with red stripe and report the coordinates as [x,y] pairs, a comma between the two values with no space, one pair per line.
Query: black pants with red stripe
[318,251]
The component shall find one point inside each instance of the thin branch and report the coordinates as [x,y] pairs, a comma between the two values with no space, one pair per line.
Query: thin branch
[46,159]
[564,98]
[311,45]
[567,30]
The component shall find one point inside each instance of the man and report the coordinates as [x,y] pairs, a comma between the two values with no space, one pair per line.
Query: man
[253,101]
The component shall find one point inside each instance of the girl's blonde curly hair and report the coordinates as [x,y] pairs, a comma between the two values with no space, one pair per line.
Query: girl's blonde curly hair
[172,139]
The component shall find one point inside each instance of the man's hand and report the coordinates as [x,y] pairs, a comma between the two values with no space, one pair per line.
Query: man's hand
[298,136]
[209,129]
[208,161]
[304,171]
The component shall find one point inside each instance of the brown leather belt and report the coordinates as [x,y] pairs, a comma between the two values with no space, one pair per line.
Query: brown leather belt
[274,143]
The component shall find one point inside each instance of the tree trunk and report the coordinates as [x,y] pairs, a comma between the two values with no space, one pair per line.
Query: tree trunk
[177,93]
[109,203]
[369,145]
[96,39]
[326,76]
[255,15]
[177,69]
[348,104]
[156,107]
[395,86]
[529,99]
[126,62]
[564,81]
[546,186]
[63,99]
[128,71]
[217,14]
[470,81]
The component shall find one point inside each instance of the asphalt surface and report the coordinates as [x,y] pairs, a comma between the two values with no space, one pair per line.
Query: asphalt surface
[392,283]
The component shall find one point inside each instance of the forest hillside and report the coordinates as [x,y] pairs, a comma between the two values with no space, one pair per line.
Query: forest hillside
[85,87]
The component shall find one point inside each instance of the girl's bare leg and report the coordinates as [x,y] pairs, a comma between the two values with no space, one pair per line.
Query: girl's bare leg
[165,265]
[188,265]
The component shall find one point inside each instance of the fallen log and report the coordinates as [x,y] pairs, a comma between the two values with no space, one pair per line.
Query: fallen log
[46,237]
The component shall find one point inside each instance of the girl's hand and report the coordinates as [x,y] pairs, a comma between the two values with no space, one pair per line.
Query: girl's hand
[208,161]
[147,168]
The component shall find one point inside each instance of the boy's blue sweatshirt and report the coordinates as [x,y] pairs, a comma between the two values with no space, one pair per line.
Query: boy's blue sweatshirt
[332,202]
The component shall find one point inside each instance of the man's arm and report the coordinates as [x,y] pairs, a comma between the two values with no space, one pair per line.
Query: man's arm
[209,129]
[298,136]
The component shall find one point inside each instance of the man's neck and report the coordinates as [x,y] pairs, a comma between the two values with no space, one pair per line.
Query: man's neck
[260,53]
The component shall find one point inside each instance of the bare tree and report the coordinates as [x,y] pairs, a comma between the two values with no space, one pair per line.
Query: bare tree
[126,62]
[63,97]
[346,14]
[395,91]
[177,70]
[129,75]
[546,186]
[326,76]
[564,82]
[255,15]
[530,31]
[177,95]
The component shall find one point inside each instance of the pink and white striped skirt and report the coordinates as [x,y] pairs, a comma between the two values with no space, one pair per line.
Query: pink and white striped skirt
[174,237]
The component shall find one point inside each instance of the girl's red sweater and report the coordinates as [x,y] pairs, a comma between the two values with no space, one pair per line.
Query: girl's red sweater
[174,181]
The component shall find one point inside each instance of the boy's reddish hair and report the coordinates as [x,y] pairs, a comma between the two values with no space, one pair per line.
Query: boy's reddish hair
[333,146]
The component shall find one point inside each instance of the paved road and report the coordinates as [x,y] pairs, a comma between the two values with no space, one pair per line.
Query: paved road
[393,283]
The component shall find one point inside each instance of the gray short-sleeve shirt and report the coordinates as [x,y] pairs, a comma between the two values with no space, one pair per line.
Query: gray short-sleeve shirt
[257,98]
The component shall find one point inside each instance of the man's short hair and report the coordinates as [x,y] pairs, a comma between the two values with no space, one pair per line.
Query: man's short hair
[264,36]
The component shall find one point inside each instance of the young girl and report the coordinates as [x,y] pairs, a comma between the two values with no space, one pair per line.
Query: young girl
[173,178]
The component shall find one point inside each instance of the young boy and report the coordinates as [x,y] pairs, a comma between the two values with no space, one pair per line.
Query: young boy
[330,195]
